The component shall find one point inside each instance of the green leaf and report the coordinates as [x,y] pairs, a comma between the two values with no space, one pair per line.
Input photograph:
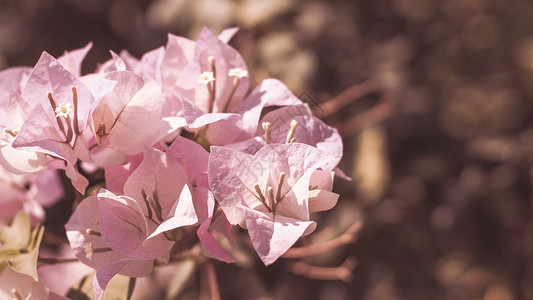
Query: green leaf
[17,235]
[184,271]
[26,263]
[119,288]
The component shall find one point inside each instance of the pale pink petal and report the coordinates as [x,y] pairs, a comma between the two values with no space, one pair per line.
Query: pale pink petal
[130,115]
[193,157]
[12,79]
[158,172]
[178,53]
[322,200]
[24,285]
[116,176]
[227,34]
[226,58]
[124,228]
[39,134]
[150,64]
[232,176]
[106,272]
[270,92]
[72,60]
[130,60]
[86,217]
[181,214]
[310,130]
[115,63]
[271,238]
[49,75]
[47,188]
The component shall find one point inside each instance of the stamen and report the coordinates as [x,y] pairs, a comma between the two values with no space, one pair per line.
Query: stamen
[211,60]
[206,78]
[16,294]
[158,206]
[261,197]
[194,183]
[69,129]
[75,102]
[143,193]
[101,250]
[100,132]
[290,134]
[270,192]
[92,232]
[280,184]
[13,133]
[238,73]
[54,107]
[313,187]
[89,250]
[267,128]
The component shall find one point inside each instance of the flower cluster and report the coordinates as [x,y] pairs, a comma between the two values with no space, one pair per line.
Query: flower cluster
[187,150]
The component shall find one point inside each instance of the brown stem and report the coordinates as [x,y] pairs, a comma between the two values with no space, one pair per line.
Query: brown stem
[210,274]
[345,97]
[377,113]
[52,260]
[314,249]
[343,272]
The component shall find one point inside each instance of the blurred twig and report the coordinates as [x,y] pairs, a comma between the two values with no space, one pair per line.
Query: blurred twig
[377,113]
[343,272]
[346,97]
[346,238]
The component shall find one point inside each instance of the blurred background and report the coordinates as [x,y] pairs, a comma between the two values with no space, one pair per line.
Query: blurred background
[440,148]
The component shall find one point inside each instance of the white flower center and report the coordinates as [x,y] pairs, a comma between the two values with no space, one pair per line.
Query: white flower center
[63,110]
[238,72]
[206,77]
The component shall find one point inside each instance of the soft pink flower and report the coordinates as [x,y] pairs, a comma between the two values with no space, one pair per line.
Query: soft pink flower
[268,192]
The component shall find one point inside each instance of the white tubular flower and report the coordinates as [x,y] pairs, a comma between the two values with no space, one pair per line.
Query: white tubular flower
[206,77]
[63,110]
[238,72]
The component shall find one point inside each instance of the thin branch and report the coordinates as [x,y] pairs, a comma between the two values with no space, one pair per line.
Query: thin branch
[346,97]
[212,282]
[53,260]
[343,272]
[377,113]
[314,249]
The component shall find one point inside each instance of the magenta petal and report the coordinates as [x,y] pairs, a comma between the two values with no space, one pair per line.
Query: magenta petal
[272,238]
[106,272]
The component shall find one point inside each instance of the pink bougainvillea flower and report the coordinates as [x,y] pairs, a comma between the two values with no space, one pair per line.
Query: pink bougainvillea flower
[87,243]
[268,193]
[15,285]
[60,105]
[129,117]
[206,82]
[307,130]
[28,192]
